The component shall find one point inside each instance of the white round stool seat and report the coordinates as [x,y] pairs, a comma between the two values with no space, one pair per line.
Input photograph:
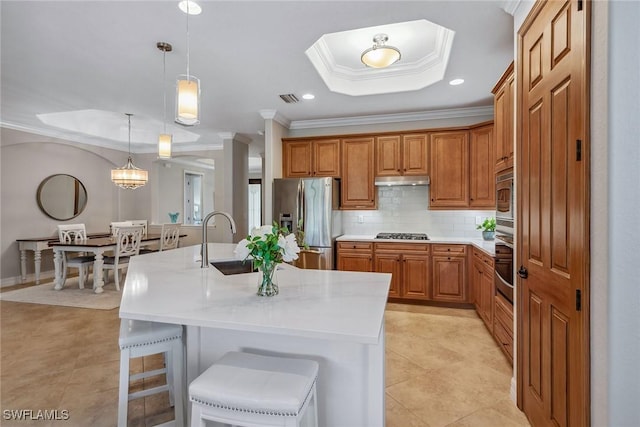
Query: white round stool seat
[244,388]
[140,338]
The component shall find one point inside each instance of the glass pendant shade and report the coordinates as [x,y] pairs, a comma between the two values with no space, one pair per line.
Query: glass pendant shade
[129,176]
[380,55]
[164,146]
[188,100]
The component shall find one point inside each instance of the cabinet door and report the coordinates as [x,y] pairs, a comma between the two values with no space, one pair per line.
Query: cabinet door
[388,155]
[476,285]
[355,262]
[509,111]
[297,159]
[415,276]
[415,154]
[449,169]
[390,263]
[326,157]
[449,278]
[486,297]
[503,107]
[482,181]
[358,191]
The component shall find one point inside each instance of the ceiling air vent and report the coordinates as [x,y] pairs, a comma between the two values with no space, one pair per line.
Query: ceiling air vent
[289,98]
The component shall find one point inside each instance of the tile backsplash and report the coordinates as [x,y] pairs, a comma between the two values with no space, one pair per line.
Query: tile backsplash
[405,209]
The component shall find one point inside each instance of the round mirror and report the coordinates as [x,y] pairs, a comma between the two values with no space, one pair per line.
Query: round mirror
[62,197]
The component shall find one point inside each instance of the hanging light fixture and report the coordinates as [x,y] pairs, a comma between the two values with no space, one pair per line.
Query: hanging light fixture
[165,139]
[129,176]
[380,55]
[188,90]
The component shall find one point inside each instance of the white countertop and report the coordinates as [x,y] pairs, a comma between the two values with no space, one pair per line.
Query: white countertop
[488,246]
[171,287]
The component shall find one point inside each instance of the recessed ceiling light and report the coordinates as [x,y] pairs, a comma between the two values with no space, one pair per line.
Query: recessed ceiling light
[456,82]
[190,7]
[308,96]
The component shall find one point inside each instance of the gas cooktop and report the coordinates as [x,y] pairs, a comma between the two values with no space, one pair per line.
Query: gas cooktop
[402,236]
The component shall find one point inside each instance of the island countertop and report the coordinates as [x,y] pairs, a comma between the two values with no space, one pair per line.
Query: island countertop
[171,287]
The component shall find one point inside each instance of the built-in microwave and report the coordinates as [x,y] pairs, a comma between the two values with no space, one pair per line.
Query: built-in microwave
[504,203]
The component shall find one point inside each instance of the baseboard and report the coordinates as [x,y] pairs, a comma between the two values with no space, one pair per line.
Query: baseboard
[45,276]
[512,391]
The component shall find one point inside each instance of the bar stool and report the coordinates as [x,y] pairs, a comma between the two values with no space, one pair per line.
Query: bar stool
[244,389]
[140,338]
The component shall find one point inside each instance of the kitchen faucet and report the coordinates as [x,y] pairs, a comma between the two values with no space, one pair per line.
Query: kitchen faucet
[205,250]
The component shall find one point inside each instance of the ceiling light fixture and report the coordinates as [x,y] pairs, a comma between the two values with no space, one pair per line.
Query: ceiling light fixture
[190,7]
[456,82]
[308,96]
[188,91]
[380,55]
[165,139]
[129,176]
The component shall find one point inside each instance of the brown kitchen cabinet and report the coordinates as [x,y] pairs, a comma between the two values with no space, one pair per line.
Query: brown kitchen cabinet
[503,106]
[449,282]
[482,183]
[503,325]
[483,284]
[449,169]
[409,265]
[402,155]
[357,171]
[355,256]
[311,158]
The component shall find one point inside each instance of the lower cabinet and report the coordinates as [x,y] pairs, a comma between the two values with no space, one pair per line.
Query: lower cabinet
[355,256]
[483,285]
[503,325]
[409,265]
[449,273]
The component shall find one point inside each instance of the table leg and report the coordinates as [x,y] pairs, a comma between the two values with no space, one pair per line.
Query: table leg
[23,265]
[37,258]
[98,281]
[57,264]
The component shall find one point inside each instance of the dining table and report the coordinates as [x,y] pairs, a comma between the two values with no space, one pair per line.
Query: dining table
[96,246]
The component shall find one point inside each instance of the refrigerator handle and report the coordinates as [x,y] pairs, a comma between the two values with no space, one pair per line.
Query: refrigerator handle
[300,207]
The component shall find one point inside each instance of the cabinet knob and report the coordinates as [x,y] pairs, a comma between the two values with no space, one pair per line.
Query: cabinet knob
[449,249]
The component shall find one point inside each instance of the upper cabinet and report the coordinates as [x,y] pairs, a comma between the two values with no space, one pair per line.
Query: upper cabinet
[311,158]
[402,155]
[449,169]
[504,99]
[482,183]
[358,190]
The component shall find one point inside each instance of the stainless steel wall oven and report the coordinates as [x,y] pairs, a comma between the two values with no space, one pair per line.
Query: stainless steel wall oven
[504,267]
[504,203]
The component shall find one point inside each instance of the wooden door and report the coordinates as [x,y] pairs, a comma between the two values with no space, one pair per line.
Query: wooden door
[388,155]
[504,98]
[416,277]
[414,154]
[482,178]
[449,169]
[390,263]
[449,278]
[553,215]
[358,190]
[296,159]
[326,157]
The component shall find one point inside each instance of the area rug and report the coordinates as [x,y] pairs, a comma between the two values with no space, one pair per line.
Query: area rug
[70,296]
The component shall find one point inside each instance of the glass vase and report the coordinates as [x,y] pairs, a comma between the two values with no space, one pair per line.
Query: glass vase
[268,286]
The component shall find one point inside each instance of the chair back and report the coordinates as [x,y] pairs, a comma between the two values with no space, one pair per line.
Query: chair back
[170,236]
[308,258]
[128,241]
[70,233]
[142,222]
[115,226]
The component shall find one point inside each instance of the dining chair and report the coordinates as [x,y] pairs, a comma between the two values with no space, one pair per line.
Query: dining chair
[310,259]
[169,236]
[142,222]
[128,241]
[114,226]
[70,233]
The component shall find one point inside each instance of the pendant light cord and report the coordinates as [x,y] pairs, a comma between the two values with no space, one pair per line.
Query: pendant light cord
[129,116]
[188,41]
[164,92]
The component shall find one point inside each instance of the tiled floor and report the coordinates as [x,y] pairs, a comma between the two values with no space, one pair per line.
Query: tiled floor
[443,369]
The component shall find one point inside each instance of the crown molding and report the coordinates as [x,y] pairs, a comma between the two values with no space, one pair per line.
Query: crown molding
[511,6]
[392,118]
[275,116]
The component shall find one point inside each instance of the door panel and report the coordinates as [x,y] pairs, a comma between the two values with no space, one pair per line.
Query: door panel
[553,217]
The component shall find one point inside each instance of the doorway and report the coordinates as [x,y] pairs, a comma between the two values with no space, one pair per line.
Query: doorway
[255,203]
[193,197]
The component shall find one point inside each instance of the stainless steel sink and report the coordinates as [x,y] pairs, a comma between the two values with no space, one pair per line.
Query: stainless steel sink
[234,267]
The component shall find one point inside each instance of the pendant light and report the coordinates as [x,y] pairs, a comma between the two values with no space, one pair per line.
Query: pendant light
[188,91]
[380,55]
[129,176]
[165,139]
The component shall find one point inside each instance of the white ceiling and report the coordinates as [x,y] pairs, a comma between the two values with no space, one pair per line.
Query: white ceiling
[60,56]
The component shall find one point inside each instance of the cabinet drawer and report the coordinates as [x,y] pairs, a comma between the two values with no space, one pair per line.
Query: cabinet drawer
[449,249]
[359,246]
[483,257]
[504,313]
[422,248]
[504,339]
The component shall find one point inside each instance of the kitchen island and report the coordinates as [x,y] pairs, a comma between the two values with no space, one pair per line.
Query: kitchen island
[333,317]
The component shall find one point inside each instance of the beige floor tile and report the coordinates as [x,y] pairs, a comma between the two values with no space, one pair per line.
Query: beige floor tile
[486,417]
[399,368]
[399,416]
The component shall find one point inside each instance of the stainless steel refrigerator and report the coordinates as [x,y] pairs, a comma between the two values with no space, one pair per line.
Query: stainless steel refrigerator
[314,204]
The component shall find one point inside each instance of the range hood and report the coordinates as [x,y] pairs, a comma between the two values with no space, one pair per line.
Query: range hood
[389,181]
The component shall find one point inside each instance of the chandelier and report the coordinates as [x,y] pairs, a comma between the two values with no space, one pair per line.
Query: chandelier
[129,176]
